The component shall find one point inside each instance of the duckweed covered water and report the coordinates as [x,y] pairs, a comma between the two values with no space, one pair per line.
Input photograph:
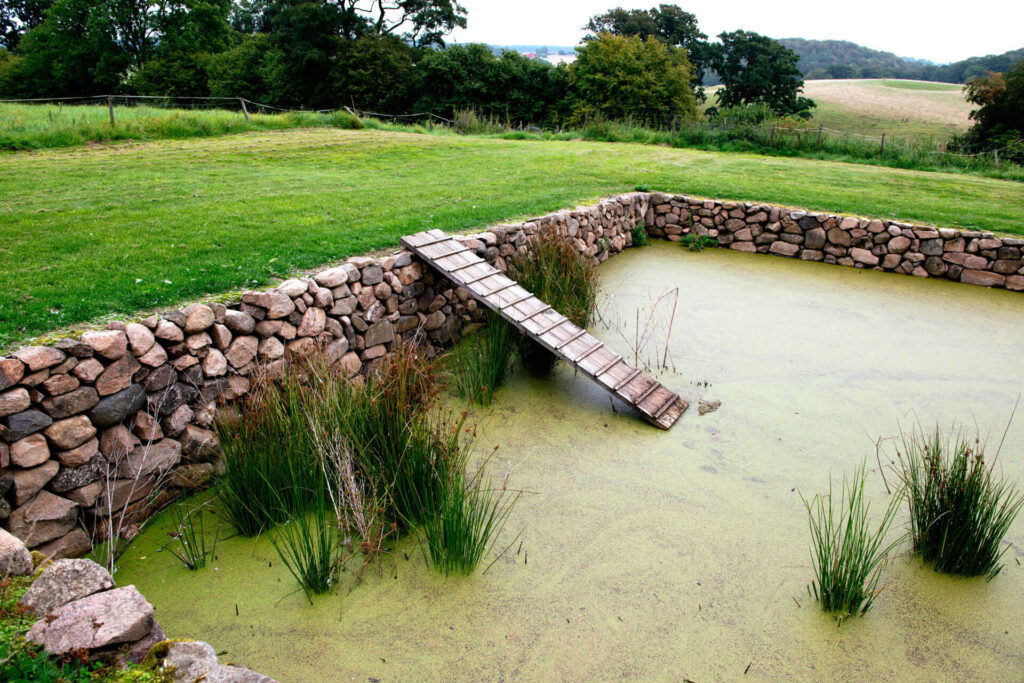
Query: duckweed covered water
[657,555]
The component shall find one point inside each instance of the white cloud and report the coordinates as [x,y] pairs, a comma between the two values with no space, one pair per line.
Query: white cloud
[940,30]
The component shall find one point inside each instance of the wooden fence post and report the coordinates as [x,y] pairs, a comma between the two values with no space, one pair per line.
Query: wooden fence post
[725,124]
[245,111]
[820,128]
[881,149]
[997,158]
[110,106]
[771,136]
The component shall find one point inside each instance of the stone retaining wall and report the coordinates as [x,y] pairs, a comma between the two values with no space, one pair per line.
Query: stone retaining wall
[978,258]
[97,433]
[119,422]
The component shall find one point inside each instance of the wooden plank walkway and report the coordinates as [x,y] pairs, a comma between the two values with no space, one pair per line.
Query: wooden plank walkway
[660,406]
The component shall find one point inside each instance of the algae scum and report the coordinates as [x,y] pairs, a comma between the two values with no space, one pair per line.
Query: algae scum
[683,554]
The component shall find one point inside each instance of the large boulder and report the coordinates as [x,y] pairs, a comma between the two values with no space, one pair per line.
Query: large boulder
[98,621]
[62,582]
[15,559]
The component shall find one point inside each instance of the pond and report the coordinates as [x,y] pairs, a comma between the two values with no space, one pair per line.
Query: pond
[683,554]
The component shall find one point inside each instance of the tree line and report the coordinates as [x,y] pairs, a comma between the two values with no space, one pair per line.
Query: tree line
[842,59]
[384,56]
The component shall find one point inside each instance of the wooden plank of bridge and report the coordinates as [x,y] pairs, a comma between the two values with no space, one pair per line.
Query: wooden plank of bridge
[659,405]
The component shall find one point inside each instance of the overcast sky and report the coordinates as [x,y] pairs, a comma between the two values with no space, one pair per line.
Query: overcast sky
[939,30]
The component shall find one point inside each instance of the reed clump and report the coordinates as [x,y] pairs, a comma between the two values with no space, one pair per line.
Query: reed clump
[847,552]
[557,274]
[960,509]
[480,364]
[343,467]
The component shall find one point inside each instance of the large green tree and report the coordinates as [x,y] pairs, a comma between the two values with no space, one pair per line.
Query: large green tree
[668,23]
[623,76]
[758,69]
[999,119]
[76,51]
[508,86]
[17,17]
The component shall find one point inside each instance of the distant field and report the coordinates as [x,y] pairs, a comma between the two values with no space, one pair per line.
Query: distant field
[911,109]
[898,108]
[86,232]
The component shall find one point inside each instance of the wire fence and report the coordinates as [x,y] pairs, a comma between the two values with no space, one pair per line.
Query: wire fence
[670,123]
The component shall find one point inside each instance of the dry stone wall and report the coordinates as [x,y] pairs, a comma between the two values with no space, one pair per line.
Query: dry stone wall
[978,258]
[97,433]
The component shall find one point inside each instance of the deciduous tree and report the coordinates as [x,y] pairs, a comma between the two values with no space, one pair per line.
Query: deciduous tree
[619,76]
[756,68]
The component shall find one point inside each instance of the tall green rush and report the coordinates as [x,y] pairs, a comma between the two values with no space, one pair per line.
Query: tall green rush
[846,554]
[959,510]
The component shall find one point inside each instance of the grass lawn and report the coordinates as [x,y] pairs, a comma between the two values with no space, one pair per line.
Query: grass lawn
[87,232]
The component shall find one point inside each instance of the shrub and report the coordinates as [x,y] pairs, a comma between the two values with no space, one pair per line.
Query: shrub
[847,556]
[640,236]
[695,242]
[558,275]
[959,510]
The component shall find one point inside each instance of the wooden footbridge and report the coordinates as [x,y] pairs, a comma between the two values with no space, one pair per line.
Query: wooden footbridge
[549,328]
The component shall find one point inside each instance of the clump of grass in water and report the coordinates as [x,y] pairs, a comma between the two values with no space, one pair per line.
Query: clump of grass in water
[308,544]
[640,238]
[267,455]
[481,363]
[560,276]
[847,555]
[469,516]
[695,242]
[959,510]
[188,544]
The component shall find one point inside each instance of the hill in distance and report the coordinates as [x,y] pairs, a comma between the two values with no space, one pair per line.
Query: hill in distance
[844,59]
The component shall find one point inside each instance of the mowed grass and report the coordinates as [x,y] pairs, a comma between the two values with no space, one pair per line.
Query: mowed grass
[88,232]
[916,110]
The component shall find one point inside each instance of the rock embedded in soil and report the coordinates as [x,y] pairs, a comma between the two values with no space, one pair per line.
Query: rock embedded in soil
[62,582]
[191,660]
[97,621]
[15,559]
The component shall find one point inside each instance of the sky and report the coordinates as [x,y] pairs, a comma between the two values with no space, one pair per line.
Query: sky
[938,30]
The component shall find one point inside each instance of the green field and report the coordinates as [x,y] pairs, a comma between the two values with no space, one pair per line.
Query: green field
[88,232]
[903,109]
[915,110]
